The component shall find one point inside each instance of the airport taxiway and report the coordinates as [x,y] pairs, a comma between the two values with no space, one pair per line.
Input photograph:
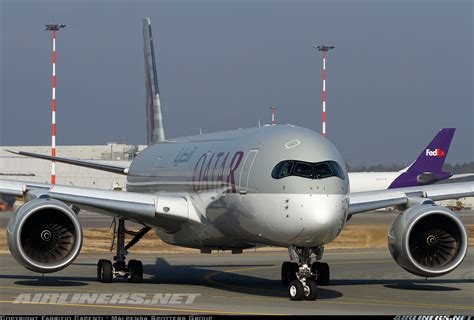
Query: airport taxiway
[363,282]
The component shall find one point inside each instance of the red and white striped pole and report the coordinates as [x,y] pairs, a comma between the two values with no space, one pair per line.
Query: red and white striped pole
[324,96]
[324,49]
[53,28]
[274,109]
[53,107]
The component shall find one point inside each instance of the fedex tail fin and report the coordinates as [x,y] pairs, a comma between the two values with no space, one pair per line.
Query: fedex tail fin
[428,167]
[155,130]
[433,156]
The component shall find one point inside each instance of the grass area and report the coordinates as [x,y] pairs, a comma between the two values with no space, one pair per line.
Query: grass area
[352,237]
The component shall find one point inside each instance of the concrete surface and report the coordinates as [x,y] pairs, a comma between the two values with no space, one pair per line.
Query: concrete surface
[363,282]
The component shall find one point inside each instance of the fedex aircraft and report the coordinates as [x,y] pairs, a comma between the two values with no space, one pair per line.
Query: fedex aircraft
[278,185]
[427,168]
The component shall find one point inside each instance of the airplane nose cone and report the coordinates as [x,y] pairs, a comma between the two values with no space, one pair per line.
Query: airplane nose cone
[309,220]
[325,221]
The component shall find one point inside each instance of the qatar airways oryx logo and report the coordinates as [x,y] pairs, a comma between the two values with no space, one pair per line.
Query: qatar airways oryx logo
[435,153]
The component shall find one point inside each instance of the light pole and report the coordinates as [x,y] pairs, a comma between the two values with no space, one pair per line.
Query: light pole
[324,49]
[53,28]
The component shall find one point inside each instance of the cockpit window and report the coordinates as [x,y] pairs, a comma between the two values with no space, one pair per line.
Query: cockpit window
[318,170]
[283,169]
[303,169]
[336,168]
[323,170]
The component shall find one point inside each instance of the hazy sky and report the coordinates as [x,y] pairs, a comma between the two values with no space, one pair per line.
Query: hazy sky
[400,71]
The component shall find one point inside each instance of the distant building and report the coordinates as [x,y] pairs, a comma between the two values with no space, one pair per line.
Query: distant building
[14,167]
[463,203]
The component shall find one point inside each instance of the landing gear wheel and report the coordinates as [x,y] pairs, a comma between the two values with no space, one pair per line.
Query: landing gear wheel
[135,268]
[311,290]
[99,269]
[104,271]
[322,271]
[294,267]
[286,272]
[296,290]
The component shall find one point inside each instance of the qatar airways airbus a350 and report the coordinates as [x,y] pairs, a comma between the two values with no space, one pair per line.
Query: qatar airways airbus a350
[279,185]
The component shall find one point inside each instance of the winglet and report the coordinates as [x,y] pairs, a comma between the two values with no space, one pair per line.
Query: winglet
[10,151]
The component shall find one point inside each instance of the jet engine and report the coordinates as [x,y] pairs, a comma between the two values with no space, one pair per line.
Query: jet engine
[44,235]
[428,240]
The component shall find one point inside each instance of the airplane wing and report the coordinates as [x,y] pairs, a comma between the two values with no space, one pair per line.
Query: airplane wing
[371,200]
[461,175]
[167,211]
[80,163]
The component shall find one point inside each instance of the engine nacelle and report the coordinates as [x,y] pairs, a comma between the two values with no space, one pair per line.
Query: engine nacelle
[44,235]
[428,240]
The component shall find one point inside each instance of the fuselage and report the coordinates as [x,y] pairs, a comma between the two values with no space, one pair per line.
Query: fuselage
[242,199]
[369,181]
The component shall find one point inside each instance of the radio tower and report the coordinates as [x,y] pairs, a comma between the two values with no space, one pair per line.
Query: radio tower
[274,109]
[324,49]
[53,28]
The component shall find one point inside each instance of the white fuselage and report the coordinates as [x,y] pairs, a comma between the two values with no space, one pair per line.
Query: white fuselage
[370,181]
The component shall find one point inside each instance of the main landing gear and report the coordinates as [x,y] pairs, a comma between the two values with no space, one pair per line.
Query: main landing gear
[133,271]
[303,277]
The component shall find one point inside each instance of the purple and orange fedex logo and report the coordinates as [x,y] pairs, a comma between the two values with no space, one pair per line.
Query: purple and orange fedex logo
[435,153]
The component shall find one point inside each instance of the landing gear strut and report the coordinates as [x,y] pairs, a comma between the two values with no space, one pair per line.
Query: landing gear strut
[303,277]
[133,271]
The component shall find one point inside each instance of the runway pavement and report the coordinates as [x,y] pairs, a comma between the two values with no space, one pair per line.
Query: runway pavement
[363,282]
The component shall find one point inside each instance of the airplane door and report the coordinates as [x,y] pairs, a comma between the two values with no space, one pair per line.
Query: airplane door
[245,173]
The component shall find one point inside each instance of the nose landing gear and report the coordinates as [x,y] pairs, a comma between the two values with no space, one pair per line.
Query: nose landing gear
[302,279]
[133,271]
[305,286]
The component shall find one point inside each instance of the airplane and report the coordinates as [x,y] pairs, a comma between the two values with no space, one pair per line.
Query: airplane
[280,185]
[426,169]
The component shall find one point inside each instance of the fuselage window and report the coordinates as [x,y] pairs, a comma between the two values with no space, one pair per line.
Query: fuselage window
[318,170]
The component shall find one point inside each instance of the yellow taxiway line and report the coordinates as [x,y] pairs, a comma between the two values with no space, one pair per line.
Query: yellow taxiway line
[356,301]
[128,307]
